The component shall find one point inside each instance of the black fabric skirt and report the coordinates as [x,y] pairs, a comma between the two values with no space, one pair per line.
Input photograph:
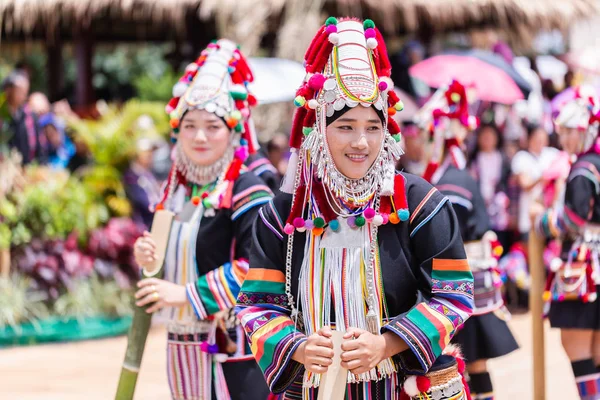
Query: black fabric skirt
[485,336]
[573,314]
[245,381]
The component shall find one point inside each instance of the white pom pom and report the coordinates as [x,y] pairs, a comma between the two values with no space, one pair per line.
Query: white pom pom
[193,67]
[179,89]
[334,38]
[313,104]
[287,186]
[555,264]
[221,358]
[371,43]
[592,297]
[378,220]
[302,229]
[410,386]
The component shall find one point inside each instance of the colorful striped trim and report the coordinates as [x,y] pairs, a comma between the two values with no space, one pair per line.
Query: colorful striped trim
[278,218]
[588,386]
[429,217]
[460,201]
[218,289]
[589,175]
[456,189]
[265,168]
[268,224]
[249,191]
[249,205]
[421,204]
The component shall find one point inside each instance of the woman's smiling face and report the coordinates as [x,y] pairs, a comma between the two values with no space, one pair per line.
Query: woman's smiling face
[354,141]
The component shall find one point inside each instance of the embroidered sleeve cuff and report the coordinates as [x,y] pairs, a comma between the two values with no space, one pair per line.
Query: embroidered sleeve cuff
[414,360]
[289,369]
[194,299]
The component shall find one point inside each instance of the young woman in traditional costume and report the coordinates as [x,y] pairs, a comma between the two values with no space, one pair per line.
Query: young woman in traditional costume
[217,201]
[351,245]
[572,286]
[485,335]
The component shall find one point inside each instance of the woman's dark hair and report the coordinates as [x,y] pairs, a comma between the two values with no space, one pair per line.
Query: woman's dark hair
[344,110]
[482,128]
[531,129]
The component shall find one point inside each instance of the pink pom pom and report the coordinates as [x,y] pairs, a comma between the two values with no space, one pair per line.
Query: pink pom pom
[370,33]
[288,229]
[383,86]
[241,153]
[245,112]
[298,222]
[386,218]
[437,113]
[352,222]
[317,80]
[561,297]
[369,213]
[331,29]
[204,347]
[169,109]
[309,224]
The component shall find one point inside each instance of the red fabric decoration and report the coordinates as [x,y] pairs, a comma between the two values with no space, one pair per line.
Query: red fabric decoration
[404,396]
[385,207]
[296,135]
[298,206]
[319,195]
[430,170]
[393,97]
[400,193]
[234,170]
[252,100]
[393,126]
[310,119]
[384,60]
[227,196]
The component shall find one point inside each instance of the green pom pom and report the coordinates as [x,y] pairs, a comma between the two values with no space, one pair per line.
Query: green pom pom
[239,128]
[360,221]
[299,101]
[236,115]
[319,222]
[307,130]
[331,21]
[397,137]
[205,203]
[399,106]
[176,131]
[403,214]
[368,24]
[455,97]
[239,95]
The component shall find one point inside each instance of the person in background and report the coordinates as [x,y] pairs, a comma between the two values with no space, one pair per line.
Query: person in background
[141,187]
[82,156]
[26,137]
[38,103]
[491,168]
[262,167]
[277,151]
[573,280]
[60,148]
[528,167]
[413,160]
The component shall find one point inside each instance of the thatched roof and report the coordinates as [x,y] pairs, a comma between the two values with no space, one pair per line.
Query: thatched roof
[392,15]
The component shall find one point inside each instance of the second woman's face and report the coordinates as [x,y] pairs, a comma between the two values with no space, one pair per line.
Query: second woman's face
[488,141]
[570,140]
[354,140]
[203,137]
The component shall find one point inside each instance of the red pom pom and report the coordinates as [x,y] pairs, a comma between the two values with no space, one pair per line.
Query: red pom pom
[195,200]
[204,195]
[316,81]
[423,384]
[251,100]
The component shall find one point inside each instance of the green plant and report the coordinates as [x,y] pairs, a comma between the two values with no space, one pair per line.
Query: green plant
[150,87]
[18,303]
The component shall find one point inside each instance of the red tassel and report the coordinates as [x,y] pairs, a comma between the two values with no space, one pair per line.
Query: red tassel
[298,205]
[243,67]
[227,196]
[404,396]
[393,126]
[310,119]
[400,193]
[393,96]
[385,207]
[384,60]
[315,45]
[296,134]
[430,170]
[234,170]
[321,59]
[237,78]
[240,105]
[319,194]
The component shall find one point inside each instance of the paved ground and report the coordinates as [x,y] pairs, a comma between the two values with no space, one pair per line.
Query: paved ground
[90,370]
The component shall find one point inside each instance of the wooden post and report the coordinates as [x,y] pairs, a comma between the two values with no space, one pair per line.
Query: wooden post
[55,67]
[5,263]
[536,304]
[84,52]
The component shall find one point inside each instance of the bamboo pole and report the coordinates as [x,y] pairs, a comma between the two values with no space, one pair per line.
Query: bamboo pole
[536,304]
[136,341]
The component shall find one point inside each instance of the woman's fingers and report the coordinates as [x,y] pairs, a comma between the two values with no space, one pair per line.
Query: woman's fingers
[148,282]
[146,290]
[150,298]
[351,355]
[155,307]
[321,361]
[351,365]
[315,368]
